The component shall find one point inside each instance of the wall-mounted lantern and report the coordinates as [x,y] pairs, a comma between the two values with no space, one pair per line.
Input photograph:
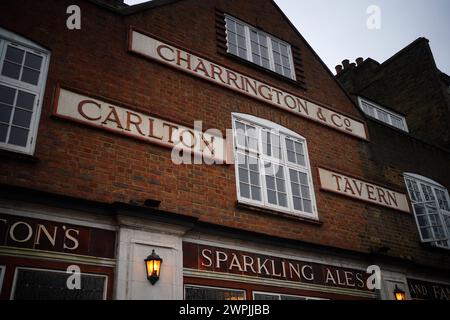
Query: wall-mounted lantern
[399,294]
[153,267]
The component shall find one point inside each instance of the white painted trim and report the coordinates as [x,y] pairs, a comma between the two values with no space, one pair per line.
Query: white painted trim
[214,288]
[16,271]
[77,221]
[273,282]
[56,256]
[424,179]
[2,276]
[155,244]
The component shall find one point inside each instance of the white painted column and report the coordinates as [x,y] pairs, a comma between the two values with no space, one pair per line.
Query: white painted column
[136,239]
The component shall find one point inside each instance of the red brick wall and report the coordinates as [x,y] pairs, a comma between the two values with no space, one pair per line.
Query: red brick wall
[84,162]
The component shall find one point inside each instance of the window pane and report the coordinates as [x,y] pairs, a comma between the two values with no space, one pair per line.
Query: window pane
[14,54]
[22,118]
[199,293]
[3,132]
[245,190]
[243,175]
[298,204]
[7,95]
[48,285]
[240,30]
[30,76]
[231,25]
[256,193]
[18,137]
[242,53]
[33,61]
[272,197]
[5,113]
[264,296]
[25,100]
[383,116]
[233,49]
[11,70]
[308,205]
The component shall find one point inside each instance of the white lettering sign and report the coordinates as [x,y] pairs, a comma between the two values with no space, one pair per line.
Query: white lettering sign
[355,188]
[98,113]
[192,64]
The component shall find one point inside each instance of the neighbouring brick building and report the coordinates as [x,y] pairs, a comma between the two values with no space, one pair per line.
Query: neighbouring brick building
[305,192]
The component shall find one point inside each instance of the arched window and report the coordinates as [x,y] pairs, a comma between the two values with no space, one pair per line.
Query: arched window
[23,73]
[431,205]
[272,167]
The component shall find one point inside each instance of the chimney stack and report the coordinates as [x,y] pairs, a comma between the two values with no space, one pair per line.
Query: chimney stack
[339,69]
[359,61]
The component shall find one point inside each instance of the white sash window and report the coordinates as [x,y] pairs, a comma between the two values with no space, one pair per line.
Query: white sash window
[23,73]
[431,205]
[272,167]
[258,47]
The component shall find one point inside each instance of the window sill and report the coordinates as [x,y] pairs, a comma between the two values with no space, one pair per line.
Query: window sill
[293,82]
[11,155]
[244,206]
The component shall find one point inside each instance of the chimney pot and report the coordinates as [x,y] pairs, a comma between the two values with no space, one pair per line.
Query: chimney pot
[339,69]
[359,61]
[346,63]
[352,65]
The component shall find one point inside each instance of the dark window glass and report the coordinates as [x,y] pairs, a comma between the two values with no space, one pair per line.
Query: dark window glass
[7,95]
[14,54]
[5,113]
[197,293]
[3,132]
[11,70]
[25,100]
[22,118]
[18,137]
[33,61]
[30,76]
[48,285]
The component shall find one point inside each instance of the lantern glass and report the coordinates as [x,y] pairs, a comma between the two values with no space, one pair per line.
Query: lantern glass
[153,267]
[399,294]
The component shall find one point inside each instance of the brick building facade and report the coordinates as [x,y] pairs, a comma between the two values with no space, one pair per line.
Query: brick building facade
[88,177]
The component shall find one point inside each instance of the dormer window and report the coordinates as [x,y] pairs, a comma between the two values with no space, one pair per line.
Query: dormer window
[382,114]
[258,47]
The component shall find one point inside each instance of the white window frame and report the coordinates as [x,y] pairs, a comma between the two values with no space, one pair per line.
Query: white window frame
[441,213]
[7,37]
[2,276]
[377,108]
[16,272]
[269,38]
[213,288]
[284,295]
[261,125]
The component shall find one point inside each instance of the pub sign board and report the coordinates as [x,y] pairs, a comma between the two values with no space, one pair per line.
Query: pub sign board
[116,117]
[222,260]
[424,290]
[149,47]
[24,232]
[362,190]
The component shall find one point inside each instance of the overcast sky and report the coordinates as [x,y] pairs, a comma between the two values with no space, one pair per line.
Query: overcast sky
[337,29]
